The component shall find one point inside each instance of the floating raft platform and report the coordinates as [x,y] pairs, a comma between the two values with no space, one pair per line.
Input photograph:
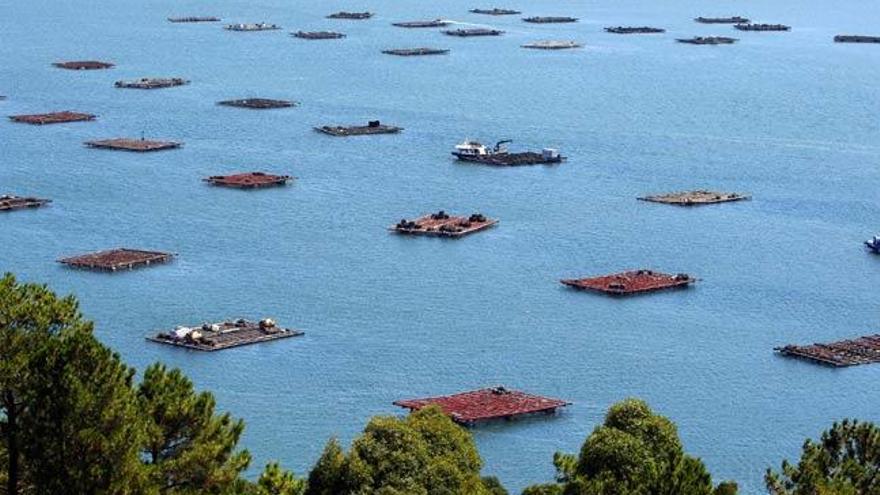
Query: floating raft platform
[194,18]
[552,45]
[83,65]
[117,259]
[465,33]
[248,180]
[353,16]
[373,127]
[762,27]
[8,202]
[487,404]
[850,38]
[422,24]
[441,224]
[550,19]
[632,282]
[411,52]
[258,103]
[318,35]
[723,20]
[224,335]
[695,198]
[250,27]
[138,145]
[634,30]
[495,11]
[52,118]
[708,40]
[152,83]
[863,350]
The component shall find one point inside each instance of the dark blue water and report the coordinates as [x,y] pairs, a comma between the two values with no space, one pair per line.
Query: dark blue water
[788,117]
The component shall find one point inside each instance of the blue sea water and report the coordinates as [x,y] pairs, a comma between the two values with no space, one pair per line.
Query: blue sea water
[788,117]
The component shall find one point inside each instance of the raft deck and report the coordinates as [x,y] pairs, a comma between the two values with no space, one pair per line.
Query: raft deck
[634,30]
[83,65]
[137,145]
[863,350]
[117,259]
[248,180]
[422,24]
[695,198]
[152,83]
[762,27]
[318,35]
[251,27]
[550,19]
[470,32]
[224,335]
[487,404]
[9,202]
[708,40]
[723,20]
[52,118]
[414,52]
[194,18]
[373,127]
[441,224]
[848,38]
[354,16]
[552,45]
[258,103]
[631,282]
[495,11]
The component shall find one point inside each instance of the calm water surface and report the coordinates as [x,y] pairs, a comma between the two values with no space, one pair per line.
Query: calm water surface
[788,117]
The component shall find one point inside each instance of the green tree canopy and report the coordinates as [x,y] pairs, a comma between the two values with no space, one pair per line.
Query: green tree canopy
[423,454]
[845,461]
[634,452]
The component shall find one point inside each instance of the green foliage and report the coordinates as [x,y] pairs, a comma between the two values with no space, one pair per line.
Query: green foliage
[634,452]
[423,454]
[276,481]
[845,460]
[188,448]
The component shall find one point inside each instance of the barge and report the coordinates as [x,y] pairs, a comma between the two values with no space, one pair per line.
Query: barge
[550,19]
[224,334]
[411,52]
[873,244]
[631,282]
[251,27]
[422,24]
[9,202]
[634,30]
[695,198]
[52,118]
[248,180]
[83,65]
[441,224]
[723,20]
[708,40]
[762,27]
[495,11]
[258,103]
[552,45]
[862,350]
[318,35]
[194,18]
[152,83]
[352,16]
[468,32]
[468,408]
[850,38]
[137,145]
[117,259]
[474,152]
[373,127]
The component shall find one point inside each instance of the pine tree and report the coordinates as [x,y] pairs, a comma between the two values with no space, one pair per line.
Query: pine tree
[188,448]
